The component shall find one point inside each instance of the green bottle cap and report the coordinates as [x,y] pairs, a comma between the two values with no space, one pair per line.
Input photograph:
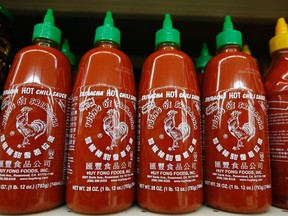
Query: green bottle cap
[6,13]
[204,58]
[47,29]
[108,32]
[228,35]
[65,49]
[167,33]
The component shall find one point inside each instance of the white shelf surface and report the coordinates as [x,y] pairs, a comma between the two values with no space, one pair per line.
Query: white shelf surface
[136,210]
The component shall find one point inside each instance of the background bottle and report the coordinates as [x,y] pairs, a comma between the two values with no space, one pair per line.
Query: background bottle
[201,62]
[102,133]
[246,49]
[65,49]
[276,84]
[236,166]
[169,172]
[33,120]
[6,25]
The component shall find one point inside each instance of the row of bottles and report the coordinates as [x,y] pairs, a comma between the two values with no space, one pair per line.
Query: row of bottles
[80,140]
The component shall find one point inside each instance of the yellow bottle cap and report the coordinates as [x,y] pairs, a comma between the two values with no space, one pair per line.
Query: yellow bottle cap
[280,40]
[246,49]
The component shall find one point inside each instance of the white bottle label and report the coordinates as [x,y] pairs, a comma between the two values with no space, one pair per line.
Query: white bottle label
[236,141]
[32,139]
[102,129]
[169,145]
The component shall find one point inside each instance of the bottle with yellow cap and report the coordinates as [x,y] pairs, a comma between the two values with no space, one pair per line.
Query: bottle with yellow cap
[262,65]
[246,49]
[276,87]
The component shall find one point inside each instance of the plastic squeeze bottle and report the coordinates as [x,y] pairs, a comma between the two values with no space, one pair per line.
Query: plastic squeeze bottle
[276,86]
[246,49]
[33,124]
[262,65]
[65,49]
[201,62]
[103,128]
[6,25]
[236,165]
[169,146]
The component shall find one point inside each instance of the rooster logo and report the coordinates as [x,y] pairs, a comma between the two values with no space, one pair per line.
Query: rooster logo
[28,130]
[180,132]
[240,132]
[114,128]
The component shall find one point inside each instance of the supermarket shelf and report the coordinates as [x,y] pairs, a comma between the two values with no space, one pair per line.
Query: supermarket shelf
[254,9]
[136,210]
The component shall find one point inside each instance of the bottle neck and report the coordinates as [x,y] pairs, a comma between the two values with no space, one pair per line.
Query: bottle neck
[276,54]
[46,42]
[229,48]
[167,46]
[107,44]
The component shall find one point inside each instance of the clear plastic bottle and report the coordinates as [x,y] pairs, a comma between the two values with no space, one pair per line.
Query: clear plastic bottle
[103,128]
[236,165]
[276,87]
[169,172]
[33,124]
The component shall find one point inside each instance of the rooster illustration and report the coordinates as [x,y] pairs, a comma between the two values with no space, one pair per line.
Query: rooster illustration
[114,128]
[34,129]
[244,132]
[180,132]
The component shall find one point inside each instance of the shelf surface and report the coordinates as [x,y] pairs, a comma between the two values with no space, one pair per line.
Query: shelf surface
[136,210]
[254,9]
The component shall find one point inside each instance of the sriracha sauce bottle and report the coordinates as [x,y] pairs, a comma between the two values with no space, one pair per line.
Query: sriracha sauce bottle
[169,172]
[276,86]
[236,165]
[102,130]
[33,124]
[6,42]
[201,62]
[65,49]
